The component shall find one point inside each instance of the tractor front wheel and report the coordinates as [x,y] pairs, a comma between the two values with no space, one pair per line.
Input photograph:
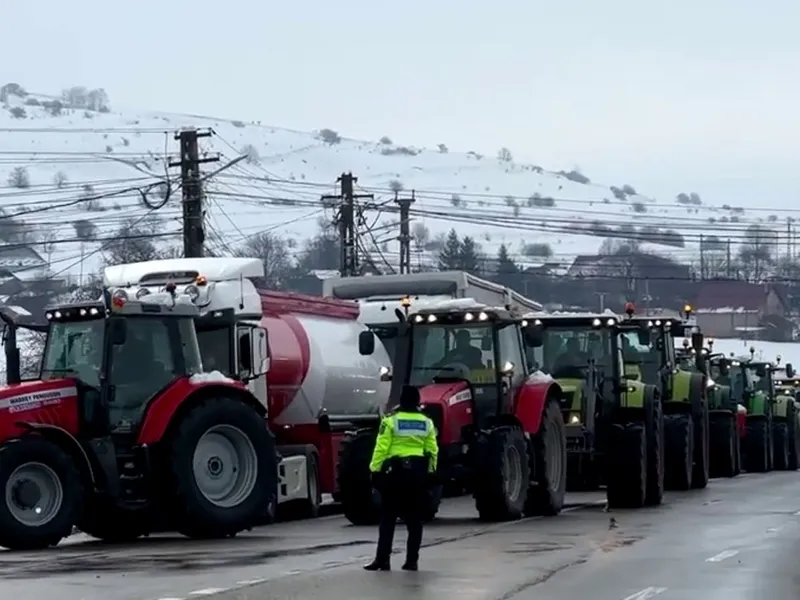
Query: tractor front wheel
[42,494]
[700,468]
[679,437]
[548,464]
[724,446]
[104,520]
[223,465]
[502,474]
[654,431]
[780,440]
[359,501]
[627,466]
[757,445]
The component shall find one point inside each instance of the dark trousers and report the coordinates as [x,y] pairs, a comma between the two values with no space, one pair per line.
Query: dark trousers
[404,495]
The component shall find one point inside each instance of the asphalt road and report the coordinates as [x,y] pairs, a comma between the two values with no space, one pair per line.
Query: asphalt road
[739,539]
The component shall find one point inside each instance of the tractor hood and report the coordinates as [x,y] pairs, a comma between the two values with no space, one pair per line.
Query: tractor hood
[449,393]
[30,395]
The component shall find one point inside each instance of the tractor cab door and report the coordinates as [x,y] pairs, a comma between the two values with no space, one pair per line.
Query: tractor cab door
[144,355]
[511,364]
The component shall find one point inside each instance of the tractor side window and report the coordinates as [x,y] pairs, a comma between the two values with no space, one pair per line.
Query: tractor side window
[510,348]
[74,348]
[215,350]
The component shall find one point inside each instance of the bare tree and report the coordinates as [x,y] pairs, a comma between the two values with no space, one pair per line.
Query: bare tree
[274,253]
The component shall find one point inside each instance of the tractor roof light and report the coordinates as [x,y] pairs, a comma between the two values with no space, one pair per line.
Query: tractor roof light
[405,301]
[419,319]
[431,318]
[596,323]
[483,316]
[630,309]
[687,310]
[470,317]
[201,280]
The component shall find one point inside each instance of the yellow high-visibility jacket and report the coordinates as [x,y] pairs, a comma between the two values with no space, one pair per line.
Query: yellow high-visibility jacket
[403,435]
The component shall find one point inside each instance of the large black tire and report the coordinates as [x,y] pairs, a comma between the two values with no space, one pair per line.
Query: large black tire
[701,462]
[780,444]
[723,444]
[548,464]
[757,446]
[106,521]
[738,450]
[626,481]
[794,440]
[356,495]
[502,474]
[38,452]
[654,430]
[309,507]
[679,438]
[191,511]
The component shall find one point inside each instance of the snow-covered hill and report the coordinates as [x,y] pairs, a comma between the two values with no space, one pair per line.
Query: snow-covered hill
[69,154]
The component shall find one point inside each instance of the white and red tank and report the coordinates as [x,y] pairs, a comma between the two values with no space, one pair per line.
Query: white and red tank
[315,366]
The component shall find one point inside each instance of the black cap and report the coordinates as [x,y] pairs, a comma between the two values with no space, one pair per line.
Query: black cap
[409,398]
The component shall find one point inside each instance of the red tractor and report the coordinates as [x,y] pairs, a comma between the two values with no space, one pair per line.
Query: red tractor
[123,434]
[499,423]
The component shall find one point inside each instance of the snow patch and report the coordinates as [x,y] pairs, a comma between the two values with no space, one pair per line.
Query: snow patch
[212,377]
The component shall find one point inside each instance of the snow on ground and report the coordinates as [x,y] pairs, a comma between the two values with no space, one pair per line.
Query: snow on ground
[278,188]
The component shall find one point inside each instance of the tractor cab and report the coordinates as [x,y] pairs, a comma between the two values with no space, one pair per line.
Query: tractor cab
[583,354]
[120,355]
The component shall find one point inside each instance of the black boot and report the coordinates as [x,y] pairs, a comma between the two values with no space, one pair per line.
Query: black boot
[378,565]
[411,565]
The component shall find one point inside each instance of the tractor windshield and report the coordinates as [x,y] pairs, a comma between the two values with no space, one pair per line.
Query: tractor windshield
[760,383]
[74,349]
[387,334]
[566,351]
[456,351]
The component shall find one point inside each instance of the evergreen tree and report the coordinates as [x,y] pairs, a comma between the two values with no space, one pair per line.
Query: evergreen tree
[505,266]
[469,255]
[450,254]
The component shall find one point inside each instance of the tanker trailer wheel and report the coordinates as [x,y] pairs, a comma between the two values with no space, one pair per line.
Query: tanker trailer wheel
[358,499]
[548,464]
[780,440]
[756,455]
[654,432]
[723,444]
[502,474]
[42,494]
[626,466]
[104,520]
[679,451]
[224,468]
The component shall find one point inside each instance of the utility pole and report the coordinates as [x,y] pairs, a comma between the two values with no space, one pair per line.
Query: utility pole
[346,221]
[193,230]
[405,231]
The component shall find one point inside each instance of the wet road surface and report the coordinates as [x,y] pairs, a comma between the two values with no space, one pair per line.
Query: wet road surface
[739,539]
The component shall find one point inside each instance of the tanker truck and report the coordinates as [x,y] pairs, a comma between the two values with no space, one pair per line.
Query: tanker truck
[298,355]
[385,302]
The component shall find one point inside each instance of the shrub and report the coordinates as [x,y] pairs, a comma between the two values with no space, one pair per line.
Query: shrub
[18,112]
[329,136]
[575,175]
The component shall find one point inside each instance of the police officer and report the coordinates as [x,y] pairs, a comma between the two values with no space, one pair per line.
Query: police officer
[402,466]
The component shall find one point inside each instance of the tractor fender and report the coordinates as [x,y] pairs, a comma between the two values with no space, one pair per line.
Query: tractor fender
[781,408]
[681,386]
[165,410]
[67,442]
[532,399]
[633,395]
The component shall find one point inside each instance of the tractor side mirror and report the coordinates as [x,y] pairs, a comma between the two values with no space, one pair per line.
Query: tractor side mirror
[117,331]
[697,341]
[366,343]
[644,337]
[533,337]
[789,371]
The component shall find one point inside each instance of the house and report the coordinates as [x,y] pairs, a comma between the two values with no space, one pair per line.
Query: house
[739,309]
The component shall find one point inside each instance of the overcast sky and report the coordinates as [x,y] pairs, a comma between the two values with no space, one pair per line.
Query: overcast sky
[694,95]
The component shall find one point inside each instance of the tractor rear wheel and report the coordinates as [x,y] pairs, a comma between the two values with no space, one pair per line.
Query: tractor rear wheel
[626,482]
[780,440]
[654,431]
[679,438]
[794,439]
[358,499]
[723,444]
[757,450]
[223,467]
[42,494]
[548,464]
[502,474]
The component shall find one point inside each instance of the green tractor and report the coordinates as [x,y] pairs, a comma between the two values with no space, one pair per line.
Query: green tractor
[649,353]
[787,411]
[615,427]
[724,443]
[771,417]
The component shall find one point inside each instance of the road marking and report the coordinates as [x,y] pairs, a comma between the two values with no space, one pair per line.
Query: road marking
[722,555]
[774,529]
[170,599]
[251,581]
[797,514]
[208,591]
[646,593]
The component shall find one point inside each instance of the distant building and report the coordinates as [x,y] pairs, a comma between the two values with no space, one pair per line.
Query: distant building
[739,309]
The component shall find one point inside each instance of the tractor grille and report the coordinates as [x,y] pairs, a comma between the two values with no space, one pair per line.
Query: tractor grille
[436,414]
